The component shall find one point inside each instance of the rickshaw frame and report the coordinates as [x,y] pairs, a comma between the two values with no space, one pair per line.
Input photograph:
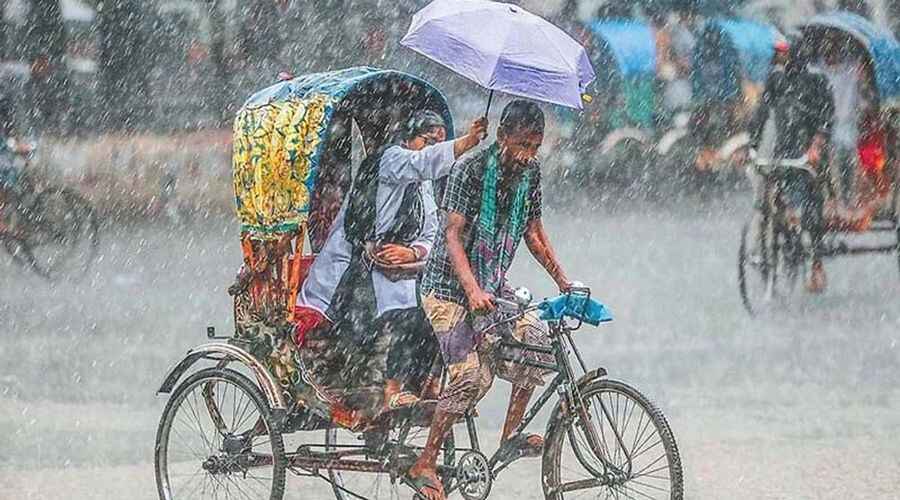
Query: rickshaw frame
[393,457]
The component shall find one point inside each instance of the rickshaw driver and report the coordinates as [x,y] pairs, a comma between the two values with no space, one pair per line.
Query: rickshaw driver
[492,202]
[389,219]
[802,112]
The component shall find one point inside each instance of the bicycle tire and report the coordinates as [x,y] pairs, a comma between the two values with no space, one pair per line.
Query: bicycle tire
[561,428]
[164,431]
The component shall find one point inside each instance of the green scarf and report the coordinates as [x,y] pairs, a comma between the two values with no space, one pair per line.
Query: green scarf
[496,241]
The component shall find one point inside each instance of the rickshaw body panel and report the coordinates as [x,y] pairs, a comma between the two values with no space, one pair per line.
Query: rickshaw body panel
[627,50]
[745,53]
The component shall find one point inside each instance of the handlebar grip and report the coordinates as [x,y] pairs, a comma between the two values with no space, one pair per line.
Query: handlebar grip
[505,303]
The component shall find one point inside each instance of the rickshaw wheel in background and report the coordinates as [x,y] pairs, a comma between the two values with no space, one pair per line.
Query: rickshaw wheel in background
[66,234]
[230,445]
[772,266]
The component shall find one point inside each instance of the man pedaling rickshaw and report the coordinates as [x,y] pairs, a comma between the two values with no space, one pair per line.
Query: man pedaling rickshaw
[802,112]
[492,202]
[362,284]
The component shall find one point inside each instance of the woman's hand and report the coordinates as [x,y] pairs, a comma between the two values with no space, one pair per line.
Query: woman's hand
[396,254]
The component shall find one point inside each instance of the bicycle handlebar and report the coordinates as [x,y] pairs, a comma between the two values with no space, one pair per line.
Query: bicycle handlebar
[518,310]
[765,166]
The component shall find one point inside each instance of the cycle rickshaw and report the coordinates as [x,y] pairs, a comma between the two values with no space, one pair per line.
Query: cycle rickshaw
[775,250]
[229,429]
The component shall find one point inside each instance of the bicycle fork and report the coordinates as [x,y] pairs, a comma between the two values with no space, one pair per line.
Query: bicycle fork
[577,406]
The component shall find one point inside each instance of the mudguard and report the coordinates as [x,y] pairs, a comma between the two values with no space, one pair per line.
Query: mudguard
[221,351]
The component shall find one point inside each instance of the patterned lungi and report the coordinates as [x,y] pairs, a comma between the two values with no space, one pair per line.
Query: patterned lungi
[471,359]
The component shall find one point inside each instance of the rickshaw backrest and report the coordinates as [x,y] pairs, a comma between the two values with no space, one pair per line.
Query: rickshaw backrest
[292,170]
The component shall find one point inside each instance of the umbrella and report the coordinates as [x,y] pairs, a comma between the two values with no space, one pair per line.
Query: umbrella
[502,47]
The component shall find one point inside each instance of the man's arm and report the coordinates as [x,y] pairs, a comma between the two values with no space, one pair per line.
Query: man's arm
[761,116]
[539,245]
[478,299]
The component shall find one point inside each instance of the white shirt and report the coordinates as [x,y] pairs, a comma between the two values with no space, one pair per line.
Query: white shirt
[398,168]
[844,81]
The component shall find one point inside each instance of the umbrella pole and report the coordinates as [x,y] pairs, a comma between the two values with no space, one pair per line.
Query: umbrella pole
[490,98]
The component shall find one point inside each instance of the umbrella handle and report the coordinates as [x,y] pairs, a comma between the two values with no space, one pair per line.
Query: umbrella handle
[488,110]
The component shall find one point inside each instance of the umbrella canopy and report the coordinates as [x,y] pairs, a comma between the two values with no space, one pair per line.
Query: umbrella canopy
[502,47]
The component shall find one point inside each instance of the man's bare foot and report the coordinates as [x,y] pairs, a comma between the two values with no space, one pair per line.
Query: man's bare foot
[426,483]
[523,446]
[818,281]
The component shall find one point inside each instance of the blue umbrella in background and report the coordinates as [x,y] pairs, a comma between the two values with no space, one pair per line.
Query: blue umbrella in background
[502,47]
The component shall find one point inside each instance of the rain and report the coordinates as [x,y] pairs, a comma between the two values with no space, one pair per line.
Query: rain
[721,177]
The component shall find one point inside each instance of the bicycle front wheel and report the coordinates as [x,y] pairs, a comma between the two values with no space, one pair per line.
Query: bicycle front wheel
[635,454]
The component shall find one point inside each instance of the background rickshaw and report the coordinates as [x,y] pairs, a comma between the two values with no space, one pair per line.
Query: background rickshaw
[731,61]
[238,426]
[774,253]
[610,141]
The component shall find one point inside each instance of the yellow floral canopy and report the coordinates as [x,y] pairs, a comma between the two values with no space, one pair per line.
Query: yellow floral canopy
[281,132]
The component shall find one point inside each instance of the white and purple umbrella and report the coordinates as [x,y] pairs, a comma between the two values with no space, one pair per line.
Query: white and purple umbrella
[502,47]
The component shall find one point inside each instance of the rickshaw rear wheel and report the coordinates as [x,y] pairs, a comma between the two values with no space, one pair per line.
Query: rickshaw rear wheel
[217,438]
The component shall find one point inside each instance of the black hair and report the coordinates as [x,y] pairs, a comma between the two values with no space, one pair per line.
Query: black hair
[422,121]
[521,115]
[799,55]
